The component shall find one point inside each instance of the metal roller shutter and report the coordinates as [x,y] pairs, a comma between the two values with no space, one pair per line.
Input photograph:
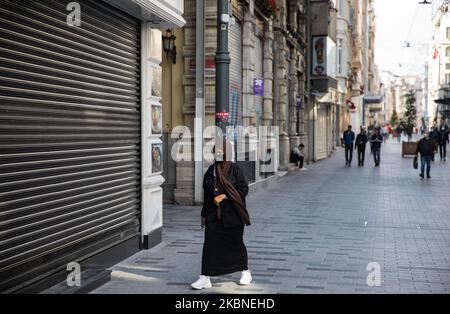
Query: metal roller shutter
[321,131]
[235,47]
[69,135]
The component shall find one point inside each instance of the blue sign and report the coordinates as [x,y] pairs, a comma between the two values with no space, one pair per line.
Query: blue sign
[298,103]
[258,87]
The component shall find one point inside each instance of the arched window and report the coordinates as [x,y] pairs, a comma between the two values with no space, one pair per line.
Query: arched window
[447,52]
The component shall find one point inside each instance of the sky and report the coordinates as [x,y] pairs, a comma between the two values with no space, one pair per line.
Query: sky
[398,21]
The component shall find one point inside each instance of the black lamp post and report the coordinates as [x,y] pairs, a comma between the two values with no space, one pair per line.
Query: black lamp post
[169,45]
[222,60]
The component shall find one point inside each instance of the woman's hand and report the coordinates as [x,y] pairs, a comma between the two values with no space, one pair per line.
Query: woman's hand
[219,198]
[203,222]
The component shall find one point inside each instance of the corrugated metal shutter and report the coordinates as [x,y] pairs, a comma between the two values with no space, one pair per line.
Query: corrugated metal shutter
[321,131]
[235,48]
[69,135]
[259,74]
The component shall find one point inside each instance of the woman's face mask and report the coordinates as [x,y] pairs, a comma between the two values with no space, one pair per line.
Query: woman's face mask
[219,155]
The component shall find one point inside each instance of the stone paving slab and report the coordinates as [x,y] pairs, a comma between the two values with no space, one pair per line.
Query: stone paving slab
[315,231]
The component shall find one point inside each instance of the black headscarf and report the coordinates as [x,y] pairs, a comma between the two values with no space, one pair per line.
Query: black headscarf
[224,186]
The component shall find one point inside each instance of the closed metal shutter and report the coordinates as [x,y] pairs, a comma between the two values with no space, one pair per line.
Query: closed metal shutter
[259,74]
[69,135]
[321,131]
[235,47]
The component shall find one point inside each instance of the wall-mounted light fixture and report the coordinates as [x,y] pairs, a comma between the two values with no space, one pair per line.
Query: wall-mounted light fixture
[169,45]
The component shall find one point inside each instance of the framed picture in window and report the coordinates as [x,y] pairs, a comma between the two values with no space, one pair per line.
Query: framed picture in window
[156,80]
[156,158]
[156,45]
[156,119]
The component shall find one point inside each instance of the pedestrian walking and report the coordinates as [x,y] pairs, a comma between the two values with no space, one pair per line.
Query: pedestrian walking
[360,145]
[443,140]
[398,132]
[224,216]
[349,139]
[435,136]
[299,154]
[369,134]
[384,133]
[376,141]
[426,148]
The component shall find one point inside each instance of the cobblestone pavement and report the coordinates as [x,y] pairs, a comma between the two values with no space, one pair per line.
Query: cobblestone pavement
[315,231]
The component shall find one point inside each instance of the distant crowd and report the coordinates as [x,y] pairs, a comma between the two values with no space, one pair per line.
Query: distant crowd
[434,139]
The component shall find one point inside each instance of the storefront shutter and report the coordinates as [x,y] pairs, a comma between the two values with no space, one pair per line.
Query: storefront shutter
[321,131]
[69,135]
[235,48]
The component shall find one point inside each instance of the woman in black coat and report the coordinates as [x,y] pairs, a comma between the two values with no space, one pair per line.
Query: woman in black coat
[224,215]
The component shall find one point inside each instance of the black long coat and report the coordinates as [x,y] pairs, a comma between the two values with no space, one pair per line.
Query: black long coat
[230,213]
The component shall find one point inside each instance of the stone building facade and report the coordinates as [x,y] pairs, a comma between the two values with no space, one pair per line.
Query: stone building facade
[279,49]
[264,45]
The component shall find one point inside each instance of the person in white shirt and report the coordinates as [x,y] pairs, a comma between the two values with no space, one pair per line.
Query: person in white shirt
[300,155]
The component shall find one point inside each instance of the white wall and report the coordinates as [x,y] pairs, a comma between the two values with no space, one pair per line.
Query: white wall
[151,58]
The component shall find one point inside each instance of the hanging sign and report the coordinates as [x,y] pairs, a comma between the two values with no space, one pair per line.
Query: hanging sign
[210,66]
[298,103]
[258,87]
[319,55]
[351,106]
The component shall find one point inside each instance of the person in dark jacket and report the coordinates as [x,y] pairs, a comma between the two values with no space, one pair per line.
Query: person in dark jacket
[398,132]
[427,148]
[224,215]
[376,141]
[349,139]
[360,145]
[443,140]
[434,134]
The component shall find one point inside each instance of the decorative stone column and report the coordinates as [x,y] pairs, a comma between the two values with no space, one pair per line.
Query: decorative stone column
[293,92]
[268,75]
[303,136]
[248,68]
[281,100]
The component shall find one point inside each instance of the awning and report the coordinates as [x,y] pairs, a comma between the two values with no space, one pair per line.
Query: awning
[162,14]
[443,107]
[443,101]
[373,99]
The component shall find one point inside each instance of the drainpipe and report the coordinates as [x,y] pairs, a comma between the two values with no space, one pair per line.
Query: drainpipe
[199,100]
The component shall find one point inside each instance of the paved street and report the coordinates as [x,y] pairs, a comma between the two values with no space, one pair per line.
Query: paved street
[315,231]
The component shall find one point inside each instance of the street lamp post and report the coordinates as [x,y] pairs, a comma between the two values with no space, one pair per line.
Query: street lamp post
[222,67]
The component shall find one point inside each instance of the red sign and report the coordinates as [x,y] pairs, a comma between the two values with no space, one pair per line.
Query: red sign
[222,115]
[351,106]
[210,65]
[435,53]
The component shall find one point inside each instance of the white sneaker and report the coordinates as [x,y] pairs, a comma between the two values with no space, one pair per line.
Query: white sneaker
[246,278]
[203,282]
